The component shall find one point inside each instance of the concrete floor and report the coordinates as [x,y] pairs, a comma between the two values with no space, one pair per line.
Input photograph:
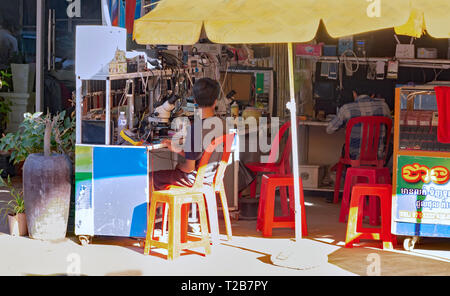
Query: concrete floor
[247,254]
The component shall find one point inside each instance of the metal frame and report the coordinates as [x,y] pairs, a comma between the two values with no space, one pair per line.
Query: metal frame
[80,92]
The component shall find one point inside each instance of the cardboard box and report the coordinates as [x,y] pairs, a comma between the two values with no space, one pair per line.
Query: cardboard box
[311,175]
[427,53]
[404,51]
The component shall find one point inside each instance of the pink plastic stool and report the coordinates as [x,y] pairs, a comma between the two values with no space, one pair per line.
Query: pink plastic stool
[373,175]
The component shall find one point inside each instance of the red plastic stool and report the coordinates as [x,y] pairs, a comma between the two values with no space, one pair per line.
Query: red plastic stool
[355,231]
[373,176]
[273,166]
[266,210]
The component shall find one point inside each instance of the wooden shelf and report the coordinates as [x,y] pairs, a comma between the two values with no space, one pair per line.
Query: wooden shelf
[411,63]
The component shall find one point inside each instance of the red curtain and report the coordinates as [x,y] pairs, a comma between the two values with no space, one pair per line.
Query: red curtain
[443,103]
[129,16]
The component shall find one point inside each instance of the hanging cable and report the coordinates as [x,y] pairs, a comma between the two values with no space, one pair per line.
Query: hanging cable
[348,65]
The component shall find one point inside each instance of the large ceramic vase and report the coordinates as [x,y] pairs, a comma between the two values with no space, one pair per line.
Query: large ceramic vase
[46,192]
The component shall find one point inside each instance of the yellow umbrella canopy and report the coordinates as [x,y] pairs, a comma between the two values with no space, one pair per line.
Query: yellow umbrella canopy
[437,18]
[264,21]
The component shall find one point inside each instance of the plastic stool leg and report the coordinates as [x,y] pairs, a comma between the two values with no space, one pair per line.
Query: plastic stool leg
[174,241]
[262,203]
[204,227]
[211,204]
[184,222]
[337,184]
[253,188]
[150,227]
[346,196]
[226,213]
[389,239]
[164,219]
[269,205]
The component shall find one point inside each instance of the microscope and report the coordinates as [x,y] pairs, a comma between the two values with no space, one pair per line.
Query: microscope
[159,120]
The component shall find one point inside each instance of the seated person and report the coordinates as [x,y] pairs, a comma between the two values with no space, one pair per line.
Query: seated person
[364,105]
[199,136]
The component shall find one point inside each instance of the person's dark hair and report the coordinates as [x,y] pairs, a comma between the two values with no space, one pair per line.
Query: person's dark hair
[206,92]
[363,91]
[8,23]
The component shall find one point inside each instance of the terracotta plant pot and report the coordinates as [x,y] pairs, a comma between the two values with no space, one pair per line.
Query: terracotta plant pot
[18,224]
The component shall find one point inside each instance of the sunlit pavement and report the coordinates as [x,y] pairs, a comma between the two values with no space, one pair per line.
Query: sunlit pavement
[248,253]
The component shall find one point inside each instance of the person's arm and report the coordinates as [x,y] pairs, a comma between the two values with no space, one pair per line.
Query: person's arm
[171,147]
[188,166]
[337,122]
[189,152]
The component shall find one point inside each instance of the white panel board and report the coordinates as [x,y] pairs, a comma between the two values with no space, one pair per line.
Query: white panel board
[95,47]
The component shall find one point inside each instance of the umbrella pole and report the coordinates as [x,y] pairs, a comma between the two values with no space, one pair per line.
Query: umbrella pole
[293,110]
[302,254]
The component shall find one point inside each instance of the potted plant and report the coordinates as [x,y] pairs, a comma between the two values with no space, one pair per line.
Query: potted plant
[22,74]
[30,137]
[5,103]
[47,188]
[46,145]
[14,210]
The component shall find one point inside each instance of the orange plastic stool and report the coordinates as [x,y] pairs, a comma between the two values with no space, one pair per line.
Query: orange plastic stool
[266,210]
[176,199]
[355,231]
[373,176]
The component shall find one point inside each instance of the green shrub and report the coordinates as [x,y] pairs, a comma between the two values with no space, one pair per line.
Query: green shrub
[30,136]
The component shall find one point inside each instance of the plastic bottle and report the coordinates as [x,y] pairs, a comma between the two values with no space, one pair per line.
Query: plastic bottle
[234,109]
[121,124]
[197,112]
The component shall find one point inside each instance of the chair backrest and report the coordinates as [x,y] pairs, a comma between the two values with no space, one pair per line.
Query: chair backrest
[220,171]
[285,158]
[370,140]
[273,156]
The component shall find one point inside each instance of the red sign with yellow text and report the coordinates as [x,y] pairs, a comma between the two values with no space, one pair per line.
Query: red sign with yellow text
[413,173]
[422,193]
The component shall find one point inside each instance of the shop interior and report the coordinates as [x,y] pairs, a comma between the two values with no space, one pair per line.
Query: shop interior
[129,95]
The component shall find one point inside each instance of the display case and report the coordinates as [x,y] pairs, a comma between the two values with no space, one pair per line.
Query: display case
[421,187]
[111,181]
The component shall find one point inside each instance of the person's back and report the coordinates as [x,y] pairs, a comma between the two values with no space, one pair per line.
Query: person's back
[8,44]
[362,106]
[199,136]
[208,129]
